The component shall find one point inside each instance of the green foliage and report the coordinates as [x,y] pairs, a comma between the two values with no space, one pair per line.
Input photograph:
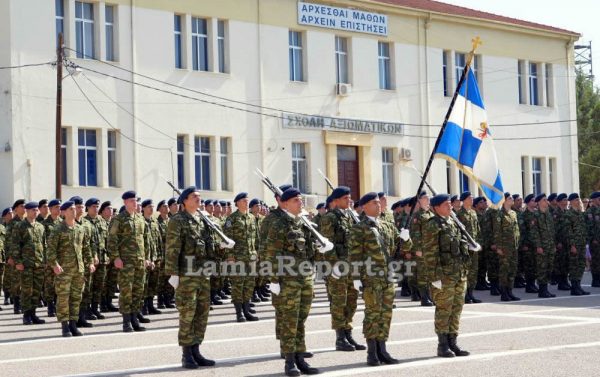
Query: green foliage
[588,128]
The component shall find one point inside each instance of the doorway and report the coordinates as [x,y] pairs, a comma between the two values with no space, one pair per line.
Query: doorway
[347,162]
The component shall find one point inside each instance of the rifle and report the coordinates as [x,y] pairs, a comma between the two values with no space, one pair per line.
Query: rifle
[323,241]
[207,221]
[352,214]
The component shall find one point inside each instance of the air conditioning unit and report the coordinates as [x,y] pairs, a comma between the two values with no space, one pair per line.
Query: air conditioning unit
[343,90]
[406,154]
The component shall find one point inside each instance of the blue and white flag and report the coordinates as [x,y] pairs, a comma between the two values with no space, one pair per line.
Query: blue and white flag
[467,141]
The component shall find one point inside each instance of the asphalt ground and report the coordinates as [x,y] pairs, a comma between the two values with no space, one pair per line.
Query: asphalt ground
[532,337]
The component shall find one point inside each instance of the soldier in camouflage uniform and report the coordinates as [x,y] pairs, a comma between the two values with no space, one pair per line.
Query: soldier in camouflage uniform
[164,289]
[335,226]
[98,234]
[418,283]
[386,214]
[241,228]
[519,208]
[468,217]
[216,280]
[185,250]
[321,211]
[561,260]
[481,206]
[527,219]
[7,216]
[69,254]
[400,221]
[374,241]
[49,223]
[542,236]
[28,247]
[493,264]
[577,237]
[592,215]
[506,240]
[260,288]
[288,241]
[154,253]
[125,246]
[446,262]
[112,273]
[14,276]
[2,256]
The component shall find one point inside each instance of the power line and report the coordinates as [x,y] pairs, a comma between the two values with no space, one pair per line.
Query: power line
[27,65]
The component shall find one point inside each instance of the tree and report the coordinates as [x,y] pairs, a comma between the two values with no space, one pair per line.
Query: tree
[588,128]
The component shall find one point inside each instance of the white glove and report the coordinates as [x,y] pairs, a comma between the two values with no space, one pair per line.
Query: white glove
[437,284]
[328,246]
[357,285]
[174,281]
[404,234]
[475,248]
[275,288]
[227,245]
[335,272]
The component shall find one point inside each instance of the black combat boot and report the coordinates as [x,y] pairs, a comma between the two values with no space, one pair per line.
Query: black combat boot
[35,319]
[341,343]
[214,298]
[511,296]
[199,359]
[27,318]
[255,296]
[247,314]
[168,302]
[66,333]
[519,282]
[144,309]
[51,309]
[261,295]
[579,289]
[494,288]
[238,313]
[563,284]
[82,322]
[425,300]
[17,305]
[481,284]
[160,301]
[303,366]
[73,328]
[454,347]
[127,323]
[414,294]
[504,294]
[404,289]
[530,286]
[595,282]
[290,365]
[350,339]
[468,299]
[96,312]
[89,315]
[443,349]
[187,359]
[135,322]
[110,306]
[6,297]
[372,359]
[150,305]
[543,292]
[141,318]
[473,298]
[383,355]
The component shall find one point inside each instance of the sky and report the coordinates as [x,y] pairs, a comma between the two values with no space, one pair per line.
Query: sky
[581,16]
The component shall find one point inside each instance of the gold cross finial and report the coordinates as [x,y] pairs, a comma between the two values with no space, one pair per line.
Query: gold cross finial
[476,43]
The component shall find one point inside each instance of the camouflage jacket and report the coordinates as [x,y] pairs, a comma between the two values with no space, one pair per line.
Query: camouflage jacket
[487,227]
[126,237]
[8,251]
[445,251]
[335,226]
[2,241]
[576,228]
[417,227]
[387,215]
[241,227]
[317,220]
[469,219]
[527,224]
[186,239]
[152,240]
[542,233]
[592,218]
[70,248]
[28,244]
[98,235]
[506,230]
[263,231]
[162,228]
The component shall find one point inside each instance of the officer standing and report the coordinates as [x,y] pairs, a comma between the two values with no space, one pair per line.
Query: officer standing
[112,274]
[417,281]
[152,246]
[506,239]
[386,214]
[544,247]
[528,221]
[14,279]
[592,215]
[577,236]
[164,289]
[49,223]
[99,233]
[468,217]
[481,207]
[561,260]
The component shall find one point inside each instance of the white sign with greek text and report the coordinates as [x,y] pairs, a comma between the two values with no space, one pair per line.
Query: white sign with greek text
[325,16]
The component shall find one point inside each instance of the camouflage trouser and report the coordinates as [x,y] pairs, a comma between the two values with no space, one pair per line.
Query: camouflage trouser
[294,303]
[595,251]
[131,286]
[492,264]
[544,264]
[507,269]
[417,280]
[276,301]
[14,278]
[49,289]
[521,263]
[561,261]
[2,266]
[69,288]
[32,279]
[242,286]
[216,282]
[482,268]
[449,303]
[529,262]
[577,262]
[112,277]
[343,302]
[98,283]
[163,287]
[472,278]
[379,300]
[151,281]
[86,296]
[192,297]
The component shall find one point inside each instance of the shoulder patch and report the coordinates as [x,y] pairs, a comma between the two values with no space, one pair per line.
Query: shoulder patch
[228,224]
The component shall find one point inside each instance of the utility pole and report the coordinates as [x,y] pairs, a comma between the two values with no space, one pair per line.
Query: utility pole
[59,70]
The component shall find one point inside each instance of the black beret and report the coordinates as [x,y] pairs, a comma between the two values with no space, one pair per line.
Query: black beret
[422,194]
[516,196]
[128,195]
[339,192]
[540,197]
[147,202]
[6,211]
[465,195]
[164,203]
[66,205]
[478,200]
[573,196]
[77,200]
[529,198]
[122,209]
[380,194]
[104,205]
[171,201]
[289,194]
[439,199]
[43,202]
[396,205]
[595,195]
[322,204]
[185,193]
[412,201]
[54,202]
[208,202]
[561,197]
[552,196]
[328,201]
[402,202]
[228,204]
[18,202]
[368,197]
[222,203]
[32,205]
[240,196]
[254,202]
[284,187]
[91,201]
[356,204]
[506,195]
[453,198]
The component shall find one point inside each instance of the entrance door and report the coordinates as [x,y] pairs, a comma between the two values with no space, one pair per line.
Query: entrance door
[347,157]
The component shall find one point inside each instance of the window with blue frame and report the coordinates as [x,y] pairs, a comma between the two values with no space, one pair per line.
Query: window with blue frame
[177,31]
[88,162]
[112,157]
[536,175]
[84,30]
[221,46]
[202,162]
[295,52]
[109,20]
[181,161]
[385,78]
[199,44]
[533,84]
[463,181]
[63,156]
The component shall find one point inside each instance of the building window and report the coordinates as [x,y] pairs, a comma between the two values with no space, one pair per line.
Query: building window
[385,78]
[549,91]
[84,30]
[445,75]
[63,156]
[299,168]
[178,52]
[295,50]
[88,166]
[523,183]
[460,60]
[224,143]
[521,81]
[199,44]
[533,84]
[180,161]
[463,181]
[551,174]
[448,177]
[221,46]
[110,32]
[341,60]
[477,71]
[112,157]
[202,162]
[59,6]
[387,158]
[536,175]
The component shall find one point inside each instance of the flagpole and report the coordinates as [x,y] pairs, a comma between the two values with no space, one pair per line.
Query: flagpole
[476,42]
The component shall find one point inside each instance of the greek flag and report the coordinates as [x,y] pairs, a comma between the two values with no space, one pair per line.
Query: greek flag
[467,141]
